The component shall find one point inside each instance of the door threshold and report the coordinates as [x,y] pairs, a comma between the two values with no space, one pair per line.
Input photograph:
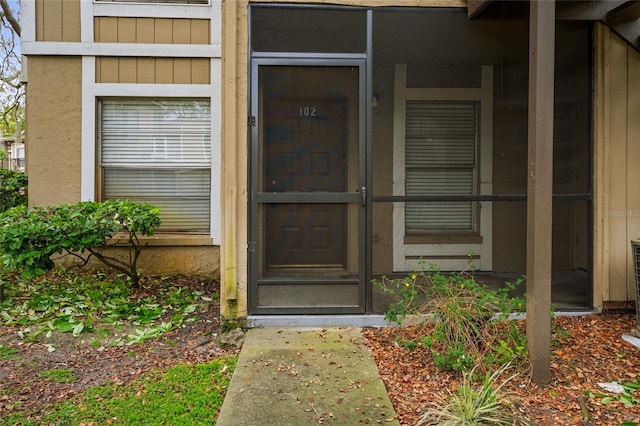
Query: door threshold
[254,321]
[373,321]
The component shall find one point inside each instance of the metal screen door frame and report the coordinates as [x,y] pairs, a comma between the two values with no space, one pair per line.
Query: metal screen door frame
[259,199]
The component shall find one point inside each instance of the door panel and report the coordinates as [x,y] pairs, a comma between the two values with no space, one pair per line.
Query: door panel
[308,209]
[304,151]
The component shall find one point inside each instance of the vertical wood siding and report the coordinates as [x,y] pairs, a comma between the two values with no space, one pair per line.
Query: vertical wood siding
[152,31]
[58,20]
[617,155]
[153,70]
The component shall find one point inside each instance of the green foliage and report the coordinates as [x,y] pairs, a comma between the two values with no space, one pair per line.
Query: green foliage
[58,375]
[8,117]
[183,395]
[7,352]
[32,239]
[13,189]
[628,396]
[472,321]
[470,406]
[406,293]
[67,302]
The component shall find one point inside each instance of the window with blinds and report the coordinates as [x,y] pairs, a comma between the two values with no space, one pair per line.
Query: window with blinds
[158,151]
[441,159]
[156,1]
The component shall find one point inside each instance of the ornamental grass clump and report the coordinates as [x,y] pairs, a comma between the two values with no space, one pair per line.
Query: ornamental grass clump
[473,405]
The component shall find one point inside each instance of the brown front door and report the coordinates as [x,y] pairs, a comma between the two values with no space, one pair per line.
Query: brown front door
[308,201]
[305,151]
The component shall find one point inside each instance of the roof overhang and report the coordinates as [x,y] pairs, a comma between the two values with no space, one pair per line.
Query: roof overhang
[621,16]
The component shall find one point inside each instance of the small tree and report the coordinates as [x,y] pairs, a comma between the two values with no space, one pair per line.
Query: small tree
[31,240]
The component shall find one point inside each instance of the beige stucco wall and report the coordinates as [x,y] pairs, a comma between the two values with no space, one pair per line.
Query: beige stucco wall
[167,259]
[617,171]
[54,120]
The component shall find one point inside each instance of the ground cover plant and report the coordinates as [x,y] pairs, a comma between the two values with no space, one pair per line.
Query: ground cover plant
[182,395]
[66,332]
[97,308]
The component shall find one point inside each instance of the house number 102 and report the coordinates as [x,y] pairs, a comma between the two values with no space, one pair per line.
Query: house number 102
[307,111]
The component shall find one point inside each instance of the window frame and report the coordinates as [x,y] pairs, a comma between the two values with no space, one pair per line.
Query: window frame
[169,2]
[454,248]
[100,167]
[414,234]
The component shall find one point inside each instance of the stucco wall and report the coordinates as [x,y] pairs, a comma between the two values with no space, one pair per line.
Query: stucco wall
[53,117]
[617,178]
[158,260]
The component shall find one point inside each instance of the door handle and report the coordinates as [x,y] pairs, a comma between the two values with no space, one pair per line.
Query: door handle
[363,196]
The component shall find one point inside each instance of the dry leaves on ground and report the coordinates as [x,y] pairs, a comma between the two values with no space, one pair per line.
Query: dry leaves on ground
[23,388]
[586,350]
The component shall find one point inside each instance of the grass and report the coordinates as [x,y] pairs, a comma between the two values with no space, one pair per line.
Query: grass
[99,310]
[7,352]
[58,375]
[474,406]
[182,395]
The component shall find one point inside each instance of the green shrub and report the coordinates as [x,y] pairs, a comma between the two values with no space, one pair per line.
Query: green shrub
[471,322]
[13,189]
[32,239]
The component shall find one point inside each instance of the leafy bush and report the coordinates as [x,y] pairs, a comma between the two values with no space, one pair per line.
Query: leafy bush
[32,239]
[13,189]
[471,321]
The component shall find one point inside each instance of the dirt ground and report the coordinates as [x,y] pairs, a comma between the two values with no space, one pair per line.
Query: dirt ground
[586,350]
[23,389]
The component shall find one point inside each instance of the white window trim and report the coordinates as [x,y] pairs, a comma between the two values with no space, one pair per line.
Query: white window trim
[449,256]
[92,91]
[87,47]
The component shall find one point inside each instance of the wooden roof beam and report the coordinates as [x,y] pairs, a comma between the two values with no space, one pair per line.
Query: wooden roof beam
[628,11]
[475,7]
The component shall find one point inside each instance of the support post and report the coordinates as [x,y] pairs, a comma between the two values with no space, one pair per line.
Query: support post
[540,186]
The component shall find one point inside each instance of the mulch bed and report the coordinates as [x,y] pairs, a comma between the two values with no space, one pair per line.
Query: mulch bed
[586,350]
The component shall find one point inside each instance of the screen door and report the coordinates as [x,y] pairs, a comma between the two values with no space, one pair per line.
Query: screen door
[308,196]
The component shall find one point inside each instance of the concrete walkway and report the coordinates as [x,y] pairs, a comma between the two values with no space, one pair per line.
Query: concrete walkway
[306,376]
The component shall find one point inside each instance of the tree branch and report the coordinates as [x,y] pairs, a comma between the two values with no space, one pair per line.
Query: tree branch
[8,13]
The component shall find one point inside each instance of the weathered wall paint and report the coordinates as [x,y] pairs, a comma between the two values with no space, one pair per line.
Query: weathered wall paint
[53,114]
[185,260]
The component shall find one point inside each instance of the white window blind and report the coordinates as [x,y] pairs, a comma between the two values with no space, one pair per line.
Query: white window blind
[440,159]
[158,151]
[156,1]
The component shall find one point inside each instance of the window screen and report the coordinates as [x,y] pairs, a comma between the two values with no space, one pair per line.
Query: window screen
[158,151]
[440,159]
